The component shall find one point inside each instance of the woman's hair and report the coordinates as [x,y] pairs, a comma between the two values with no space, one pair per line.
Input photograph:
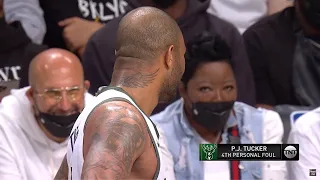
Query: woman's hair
[204,48]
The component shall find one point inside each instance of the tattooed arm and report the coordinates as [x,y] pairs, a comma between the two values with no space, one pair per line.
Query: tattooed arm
[117,135]
[62,174]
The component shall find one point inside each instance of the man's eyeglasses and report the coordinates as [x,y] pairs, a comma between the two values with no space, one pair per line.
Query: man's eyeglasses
[73,93]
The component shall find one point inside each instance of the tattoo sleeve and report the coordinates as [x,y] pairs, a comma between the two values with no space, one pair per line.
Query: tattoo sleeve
[118,140]
[62,174]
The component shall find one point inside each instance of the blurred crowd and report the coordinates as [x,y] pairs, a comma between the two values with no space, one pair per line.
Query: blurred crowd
[255,58]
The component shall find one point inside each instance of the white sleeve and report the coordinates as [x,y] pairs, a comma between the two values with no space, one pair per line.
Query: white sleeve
[309,149]
[8,163]
[272,134]
[30,15]
[167,165]
[272,127]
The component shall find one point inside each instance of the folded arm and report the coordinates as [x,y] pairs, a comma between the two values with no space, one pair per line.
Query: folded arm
[30,14]
[117,135]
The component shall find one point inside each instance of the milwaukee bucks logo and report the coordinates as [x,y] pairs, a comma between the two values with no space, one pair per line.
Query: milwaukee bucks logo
[208,152]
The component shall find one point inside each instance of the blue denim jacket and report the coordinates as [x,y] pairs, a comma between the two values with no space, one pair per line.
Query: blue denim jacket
[183,141]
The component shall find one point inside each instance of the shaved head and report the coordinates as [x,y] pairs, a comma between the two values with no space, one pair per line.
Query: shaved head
[52,64]
[149,52]
[145,33]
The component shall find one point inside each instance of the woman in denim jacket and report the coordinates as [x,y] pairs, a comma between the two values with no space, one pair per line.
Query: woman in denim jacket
[208,110]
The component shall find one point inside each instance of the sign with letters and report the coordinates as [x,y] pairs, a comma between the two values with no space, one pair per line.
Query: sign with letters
[102,10]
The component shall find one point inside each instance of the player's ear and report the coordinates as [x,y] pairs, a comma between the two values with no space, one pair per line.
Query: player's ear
[168,58]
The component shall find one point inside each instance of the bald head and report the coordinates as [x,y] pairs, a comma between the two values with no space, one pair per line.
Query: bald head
[56,65]
[145,33]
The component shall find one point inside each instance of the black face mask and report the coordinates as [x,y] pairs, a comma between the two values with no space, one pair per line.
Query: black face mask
[213,116]
[58,126]
[164,4]
[311,11]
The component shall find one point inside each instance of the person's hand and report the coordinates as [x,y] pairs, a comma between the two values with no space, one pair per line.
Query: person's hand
[77,32]
[275,6]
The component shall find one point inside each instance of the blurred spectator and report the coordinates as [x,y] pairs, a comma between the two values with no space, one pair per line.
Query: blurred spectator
[36,121]
[305,132]
[16,52]
[29,14]
[283,50]
[192,18]
[208,113]
[284,53]
[244,13]
[63,24]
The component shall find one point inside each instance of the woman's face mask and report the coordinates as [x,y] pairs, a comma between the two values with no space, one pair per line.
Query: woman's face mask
[212,115]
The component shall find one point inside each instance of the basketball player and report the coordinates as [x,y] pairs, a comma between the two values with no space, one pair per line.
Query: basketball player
[114,138]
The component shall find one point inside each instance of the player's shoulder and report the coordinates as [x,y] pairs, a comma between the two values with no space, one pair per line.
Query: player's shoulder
[117,110]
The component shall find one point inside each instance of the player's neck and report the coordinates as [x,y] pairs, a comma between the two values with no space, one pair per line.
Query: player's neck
[139,84]
[144,97]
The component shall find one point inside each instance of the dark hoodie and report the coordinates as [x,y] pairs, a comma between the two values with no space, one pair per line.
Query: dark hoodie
[16,52]
[99,56]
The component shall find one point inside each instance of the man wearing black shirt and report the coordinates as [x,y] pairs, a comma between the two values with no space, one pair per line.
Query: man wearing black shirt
[284,53]
[275,48]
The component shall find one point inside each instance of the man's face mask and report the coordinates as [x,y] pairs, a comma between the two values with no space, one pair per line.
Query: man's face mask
[311,11]
[212,115]
[164,4]
[58,126]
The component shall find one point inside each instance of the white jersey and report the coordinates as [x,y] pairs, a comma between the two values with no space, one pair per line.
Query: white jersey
[75,144]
